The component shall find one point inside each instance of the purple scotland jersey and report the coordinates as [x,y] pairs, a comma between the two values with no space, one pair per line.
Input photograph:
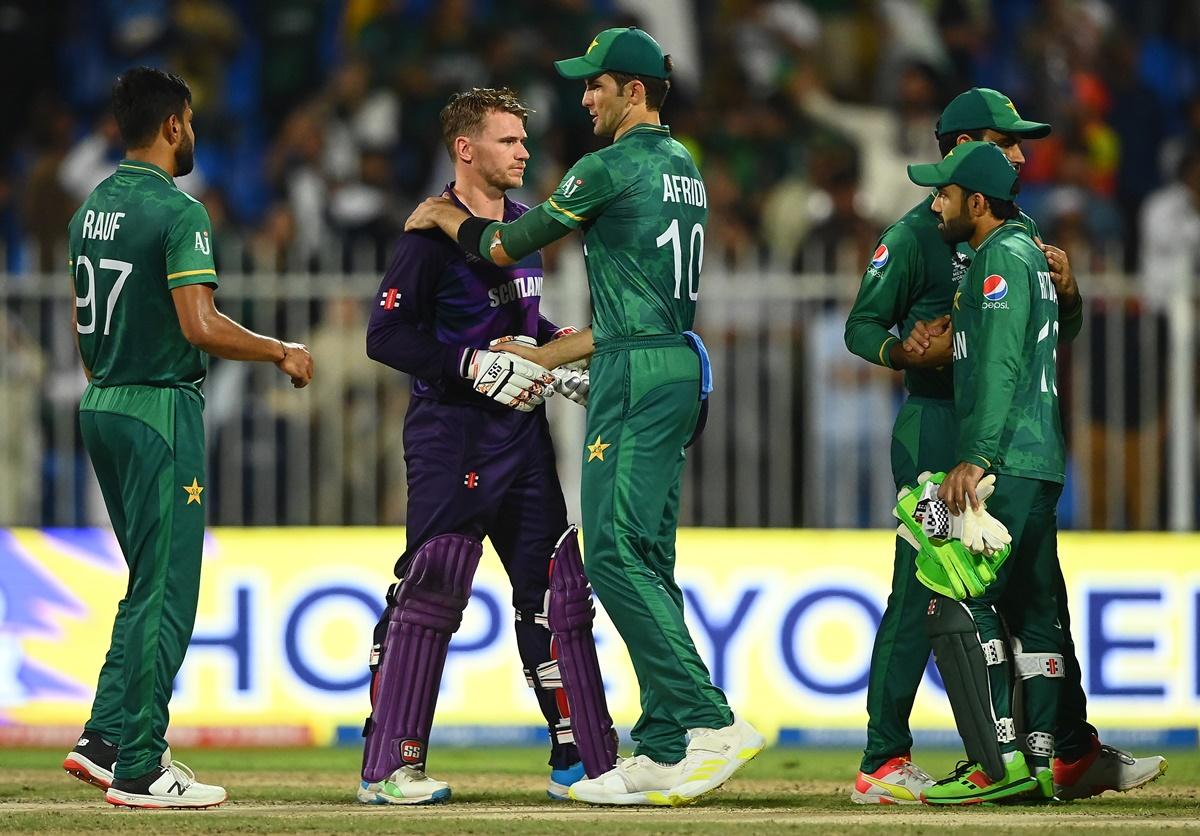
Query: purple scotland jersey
[434,302]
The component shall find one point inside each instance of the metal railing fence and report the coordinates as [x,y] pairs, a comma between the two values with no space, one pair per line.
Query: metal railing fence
[798,434]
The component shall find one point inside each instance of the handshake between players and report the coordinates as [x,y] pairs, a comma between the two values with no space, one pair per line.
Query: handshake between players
[507,372]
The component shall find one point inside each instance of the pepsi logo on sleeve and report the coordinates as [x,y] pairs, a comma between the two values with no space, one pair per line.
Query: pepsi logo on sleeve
[995,288]
[880,258]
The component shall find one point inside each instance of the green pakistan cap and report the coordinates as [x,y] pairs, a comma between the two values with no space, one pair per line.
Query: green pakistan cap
[621,50]
[982,107]
[976,166]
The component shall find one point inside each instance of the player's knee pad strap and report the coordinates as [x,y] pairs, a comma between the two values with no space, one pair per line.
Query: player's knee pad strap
[1040,744]
[1029,665]
[424,610]
[545,676]
[570,613]
[963,664]
[994,652]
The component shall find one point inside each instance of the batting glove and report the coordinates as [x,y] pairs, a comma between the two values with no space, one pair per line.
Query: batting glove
[507,378]
[572,384]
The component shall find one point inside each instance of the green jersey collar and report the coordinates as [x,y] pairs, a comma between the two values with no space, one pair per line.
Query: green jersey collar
[646,127]
[139,167]
[1014,224]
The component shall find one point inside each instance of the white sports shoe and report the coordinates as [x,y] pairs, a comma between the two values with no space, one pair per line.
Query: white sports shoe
[1104,768]
[899,781]
[171,784]
[407,785]
[636,780]
[713,755]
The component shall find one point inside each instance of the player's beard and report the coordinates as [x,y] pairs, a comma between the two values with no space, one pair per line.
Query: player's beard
[185,156]
[956,230]
[504,179]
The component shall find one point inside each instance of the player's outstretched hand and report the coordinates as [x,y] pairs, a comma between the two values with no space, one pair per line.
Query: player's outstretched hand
[297,363]
[523,347]
[425,216]
[958,488]
[507,378]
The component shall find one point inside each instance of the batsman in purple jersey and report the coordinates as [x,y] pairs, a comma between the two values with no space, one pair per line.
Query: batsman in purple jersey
[479,457]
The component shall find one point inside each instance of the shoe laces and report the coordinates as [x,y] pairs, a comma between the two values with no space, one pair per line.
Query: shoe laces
[911,770]
[414,772]
[1110,752]
[182,773]
[960,771]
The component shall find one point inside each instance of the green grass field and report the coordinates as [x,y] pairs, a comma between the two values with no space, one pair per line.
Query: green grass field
[503,791]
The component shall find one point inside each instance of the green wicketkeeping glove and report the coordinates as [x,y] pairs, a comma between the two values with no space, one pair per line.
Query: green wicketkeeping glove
[945,565]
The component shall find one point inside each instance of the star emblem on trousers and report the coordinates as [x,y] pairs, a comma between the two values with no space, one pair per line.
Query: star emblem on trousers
[193,491]
[596,449]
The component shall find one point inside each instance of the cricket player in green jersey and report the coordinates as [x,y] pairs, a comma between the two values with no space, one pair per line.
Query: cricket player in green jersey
[143,278]
[910,284]
[642,208]
[1005,319]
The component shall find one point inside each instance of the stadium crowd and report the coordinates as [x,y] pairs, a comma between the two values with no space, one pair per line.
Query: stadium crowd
[317,120]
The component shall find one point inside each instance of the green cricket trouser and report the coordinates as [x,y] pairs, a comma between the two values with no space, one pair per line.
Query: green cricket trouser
[147,448]
[924,437]
[642,409]
[1025,593]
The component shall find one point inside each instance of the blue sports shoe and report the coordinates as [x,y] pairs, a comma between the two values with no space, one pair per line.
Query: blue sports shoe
[562,779]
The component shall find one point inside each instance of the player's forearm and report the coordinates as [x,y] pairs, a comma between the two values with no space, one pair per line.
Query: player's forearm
[220,336]
[406,348]
[504,244]
[87,373]
[566,349]
[871,341]
[1070,317]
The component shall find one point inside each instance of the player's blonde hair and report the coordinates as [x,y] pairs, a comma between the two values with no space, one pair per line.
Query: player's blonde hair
[463,115]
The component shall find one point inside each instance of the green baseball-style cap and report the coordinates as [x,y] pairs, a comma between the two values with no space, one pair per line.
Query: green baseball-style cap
[620,50]
[976,166]
[982,107]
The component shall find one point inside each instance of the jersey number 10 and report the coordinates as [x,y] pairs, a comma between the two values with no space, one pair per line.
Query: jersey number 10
[121,268]
[695,252]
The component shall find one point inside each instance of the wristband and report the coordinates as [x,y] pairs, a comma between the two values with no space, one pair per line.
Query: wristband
[470,234]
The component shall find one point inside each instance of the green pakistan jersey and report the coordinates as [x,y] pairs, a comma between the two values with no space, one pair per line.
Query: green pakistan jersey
[1005,319]
[912,276]
[642,207]
[134,239]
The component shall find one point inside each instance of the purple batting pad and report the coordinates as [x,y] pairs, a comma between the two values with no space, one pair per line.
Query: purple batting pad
[570,612]
[424,612]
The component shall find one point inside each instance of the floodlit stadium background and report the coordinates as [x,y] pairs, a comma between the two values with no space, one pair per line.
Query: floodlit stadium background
[317,130]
